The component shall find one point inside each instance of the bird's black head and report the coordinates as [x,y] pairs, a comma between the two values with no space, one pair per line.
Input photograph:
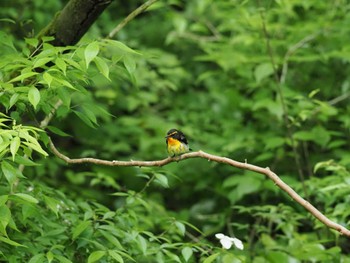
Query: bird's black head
[171,133]
[176,134]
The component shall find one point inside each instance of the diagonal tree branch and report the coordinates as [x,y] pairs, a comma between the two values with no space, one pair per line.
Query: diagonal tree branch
[45,122]
[292,50]
[200,154]
[131,16]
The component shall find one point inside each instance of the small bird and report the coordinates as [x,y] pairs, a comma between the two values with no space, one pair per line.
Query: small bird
[176,143]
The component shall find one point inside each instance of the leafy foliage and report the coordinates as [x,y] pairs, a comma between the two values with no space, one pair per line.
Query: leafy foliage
[263,81]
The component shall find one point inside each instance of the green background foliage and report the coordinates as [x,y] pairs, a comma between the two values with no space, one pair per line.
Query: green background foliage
[265,82]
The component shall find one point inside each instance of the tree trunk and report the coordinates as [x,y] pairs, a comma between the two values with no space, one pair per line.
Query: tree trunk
[70,24]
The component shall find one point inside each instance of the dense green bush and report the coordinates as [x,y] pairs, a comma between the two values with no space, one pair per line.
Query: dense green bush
[265,82]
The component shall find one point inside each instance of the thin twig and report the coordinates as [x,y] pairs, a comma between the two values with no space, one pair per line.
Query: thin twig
[130,17]
[292,50]
[212,29]
[195,37]
[43,125]
[283,103]
[332,102]
[200,154]
[45,122]
[339,99]
[148,183]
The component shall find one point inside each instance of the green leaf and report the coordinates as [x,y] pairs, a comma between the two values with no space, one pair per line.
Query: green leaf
[8,20]
[274,142]
[318,134]
[102,67]
[47,39]
[29,210]
[24,76]
[13,100]
[263,71]
[34,42]
[187,253]
[3,199]
[57,131]
[27,198]
[303,135]
[73,63]
[34,96]
[211,258]
[41,61]
[109,235]
[5,217]
[12,224]
[322,165]
[61,65]
[49,256]
[267,240]
[14,146]
[162,180]
[172,256]
[65,83]
[313,93]
[91,52]
[89,113]
[120,194]
[85,119]
[121,46]
[114,254]
[36,147]
[126,255]
[38,258]
[10,242]
[65,96]
[181,227]
[47,78]
[52,204]
[11,173]
[193,227]
[62,259]
[25,161]
[277,256]
[96,255]
[4,146]
[80,229]
[6,40]
[143,244]
[130,64]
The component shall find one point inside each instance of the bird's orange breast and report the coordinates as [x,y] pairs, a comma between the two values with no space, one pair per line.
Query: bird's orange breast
[173,142]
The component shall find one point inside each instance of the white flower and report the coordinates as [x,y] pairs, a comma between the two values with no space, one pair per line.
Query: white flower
[227,241]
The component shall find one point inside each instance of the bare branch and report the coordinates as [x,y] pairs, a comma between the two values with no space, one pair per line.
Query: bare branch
[292,50]
[339,99]
[200,154]
[45,122]
[131,16]
[196,38]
